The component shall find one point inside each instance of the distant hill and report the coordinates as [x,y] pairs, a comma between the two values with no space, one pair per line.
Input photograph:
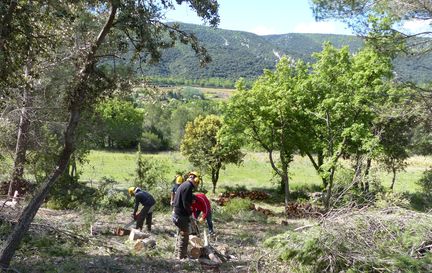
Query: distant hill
[238,54]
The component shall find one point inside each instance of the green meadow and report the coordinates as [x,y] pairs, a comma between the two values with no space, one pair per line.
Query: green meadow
[255,172]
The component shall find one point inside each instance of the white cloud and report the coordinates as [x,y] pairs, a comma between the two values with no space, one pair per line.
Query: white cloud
[416,26]
[317,27]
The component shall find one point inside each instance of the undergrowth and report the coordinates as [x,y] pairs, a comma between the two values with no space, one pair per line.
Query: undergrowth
[388,240]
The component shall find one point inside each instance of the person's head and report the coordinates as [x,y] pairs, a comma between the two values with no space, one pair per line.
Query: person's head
[196,181]
[133,190]
[179,179]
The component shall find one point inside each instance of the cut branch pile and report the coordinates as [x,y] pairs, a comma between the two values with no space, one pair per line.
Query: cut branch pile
[302,210]
[252,195]
[264,211]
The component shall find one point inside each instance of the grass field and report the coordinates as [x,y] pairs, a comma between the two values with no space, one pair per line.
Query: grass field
[255,172]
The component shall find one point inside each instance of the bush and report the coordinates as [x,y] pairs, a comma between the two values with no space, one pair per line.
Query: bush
[150,142]
[235,208]
[69,193]
[425,182]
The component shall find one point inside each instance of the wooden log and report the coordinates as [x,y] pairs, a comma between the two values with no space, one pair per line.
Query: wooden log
[136,234]
[195,252]
[195,241]
[146,243]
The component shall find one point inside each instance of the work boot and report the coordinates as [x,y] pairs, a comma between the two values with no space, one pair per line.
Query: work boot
[182,244]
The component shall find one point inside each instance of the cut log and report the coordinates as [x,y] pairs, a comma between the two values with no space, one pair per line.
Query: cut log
[195,252]
[196,241]
[146,243]
[121,231]
[136,234]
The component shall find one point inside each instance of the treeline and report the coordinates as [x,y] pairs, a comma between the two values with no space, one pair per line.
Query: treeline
[156,124]
[207,82]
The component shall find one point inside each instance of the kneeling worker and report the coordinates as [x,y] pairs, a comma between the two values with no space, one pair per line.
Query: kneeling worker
[146,199]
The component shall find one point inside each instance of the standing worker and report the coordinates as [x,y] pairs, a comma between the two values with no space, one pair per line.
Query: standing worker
[146,199]
[200,204]
[177,182]
[183,212]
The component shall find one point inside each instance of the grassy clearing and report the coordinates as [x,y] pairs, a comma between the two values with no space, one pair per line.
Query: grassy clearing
[255,172]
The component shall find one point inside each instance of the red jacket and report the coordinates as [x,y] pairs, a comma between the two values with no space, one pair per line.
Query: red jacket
[201,204]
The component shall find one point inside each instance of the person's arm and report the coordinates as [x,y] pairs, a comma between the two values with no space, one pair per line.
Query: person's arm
[206,207]
[136,205]
[172,198]
[187,201]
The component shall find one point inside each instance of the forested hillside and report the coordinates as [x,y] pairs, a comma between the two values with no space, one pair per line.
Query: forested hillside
[241,54]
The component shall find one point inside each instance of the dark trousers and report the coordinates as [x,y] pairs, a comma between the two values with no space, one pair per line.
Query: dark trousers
[183,225]
[209,220]
[146,214]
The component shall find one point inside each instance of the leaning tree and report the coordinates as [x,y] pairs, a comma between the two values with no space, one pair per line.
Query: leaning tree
[98,30]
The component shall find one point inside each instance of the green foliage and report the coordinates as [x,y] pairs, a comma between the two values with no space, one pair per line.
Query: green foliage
[69,193]
[239,209]
[425,182]
[121,123]
[151,176]
[206,150]
[359,243]
[150,142]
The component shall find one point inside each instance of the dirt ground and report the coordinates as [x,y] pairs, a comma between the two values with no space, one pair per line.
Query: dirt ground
[60,241]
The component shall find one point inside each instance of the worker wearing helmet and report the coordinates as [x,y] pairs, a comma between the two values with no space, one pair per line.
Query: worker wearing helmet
[147,201]
[183,211]
[177,182]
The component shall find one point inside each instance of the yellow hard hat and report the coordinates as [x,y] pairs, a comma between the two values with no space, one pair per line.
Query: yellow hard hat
[131,191]
[179,179]
[197,180]
[196,174]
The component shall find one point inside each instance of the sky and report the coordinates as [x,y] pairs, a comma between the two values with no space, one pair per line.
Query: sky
[264,17]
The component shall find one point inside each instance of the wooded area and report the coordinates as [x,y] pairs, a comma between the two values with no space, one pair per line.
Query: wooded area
[71,82]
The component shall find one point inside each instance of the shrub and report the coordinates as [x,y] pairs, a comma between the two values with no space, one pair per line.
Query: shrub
[234,209]
[69,193]
[150,142]
[425,182]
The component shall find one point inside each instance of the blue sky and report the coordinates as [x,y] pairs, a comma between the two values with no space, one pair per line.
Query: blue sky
[264,17]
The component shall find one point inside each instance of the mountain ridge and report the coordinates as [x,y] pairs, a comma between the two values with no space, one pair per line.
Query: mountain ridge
[238,54]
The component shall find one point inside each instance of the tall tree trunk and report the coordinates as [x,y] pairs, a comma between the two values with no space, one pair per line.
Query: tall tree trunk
[329,188]
[366,178]
[358,171]
[393,178]
[26,217]
[22,136]
[215,178]
[78,97]
[285,178]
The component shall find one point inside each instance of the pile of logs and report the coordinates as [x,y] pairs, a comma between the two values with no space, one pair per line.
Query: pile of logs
[141,240]
[252,195]
[301,210]
[206,254]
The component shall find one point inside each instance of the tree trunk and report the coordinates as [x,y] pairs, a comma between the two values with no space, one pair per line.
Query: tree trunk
[393,178]
[22,137]
[26,217]
[215,178]
[329,188]
[78,97]
[358,170]
[366,179]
